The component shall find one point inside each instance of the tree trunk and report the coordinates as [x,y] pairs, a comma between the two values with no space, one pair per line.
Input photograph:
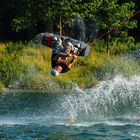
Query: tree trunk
[60,25]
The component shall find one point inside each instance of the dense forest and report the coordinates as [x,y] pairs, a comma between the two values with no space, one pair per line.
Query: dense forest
[85,20]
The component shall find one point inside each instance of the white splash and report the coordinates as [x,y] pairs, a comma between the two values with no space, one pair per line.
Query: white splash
[117,97]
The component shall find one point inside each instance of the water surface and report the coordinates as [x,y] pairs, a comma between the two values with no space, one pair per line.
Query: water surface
[109,111]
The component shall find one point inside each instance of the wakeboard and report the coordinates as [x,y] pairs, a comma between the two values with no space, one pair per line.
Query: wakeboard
[51,40]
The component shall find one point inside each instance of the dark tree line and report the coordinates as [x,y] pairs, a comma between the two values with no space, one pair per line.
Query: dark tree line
[22,19]
[136,31]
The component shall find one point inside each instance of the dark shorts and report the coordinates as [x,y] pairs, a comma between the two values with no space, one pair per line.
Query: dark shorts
[54,63]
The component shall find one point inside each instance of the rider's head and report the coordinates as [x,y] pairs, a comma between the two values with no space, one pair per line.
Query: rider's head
[56,70]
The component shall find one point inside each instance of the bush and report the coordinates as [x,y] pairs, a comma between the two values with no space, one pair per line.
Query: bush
[117,65]
[38,81]
[10,66]
[29,68]
[15,48]
[114,46]
[1,87]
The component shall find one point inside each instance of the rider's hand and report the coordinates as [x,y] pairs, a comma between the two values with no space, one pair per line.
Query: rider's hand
[75,56]
[69,55]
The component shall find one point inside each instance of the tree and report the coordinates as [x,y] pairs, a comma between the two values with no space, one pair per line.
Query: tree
[113,19]
[62,12]
[32,16]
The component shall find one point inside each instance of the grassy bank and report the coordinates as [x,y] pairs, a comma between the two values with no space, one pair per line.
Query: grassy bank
[25,66]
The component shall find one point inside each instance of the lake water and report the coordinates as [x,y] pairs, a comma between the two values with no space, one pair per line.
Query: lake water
[109,111]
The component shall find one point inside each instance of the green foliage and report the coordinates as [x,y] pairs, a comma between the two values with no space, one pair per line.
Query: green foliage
[10,69]
[20,23]
[15,48]
[29,68]
[115,46]
[117,65]
[64,84]
[113,18]
[24,16]
[118,47]
[10,66]
[64,10]
[1,87]
[39,82]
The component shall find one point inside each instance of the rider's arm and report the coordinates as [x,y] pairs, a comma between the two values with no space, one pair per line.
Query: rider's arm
[70,63]
[62,55]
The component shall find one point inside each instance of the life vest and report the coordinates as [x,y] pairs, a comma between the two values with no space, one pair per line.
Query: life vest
[47,40]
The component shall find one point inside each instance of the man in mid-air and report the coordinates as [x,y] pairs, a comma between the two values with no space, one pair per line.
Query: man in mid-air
[62,48]
[58,60]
